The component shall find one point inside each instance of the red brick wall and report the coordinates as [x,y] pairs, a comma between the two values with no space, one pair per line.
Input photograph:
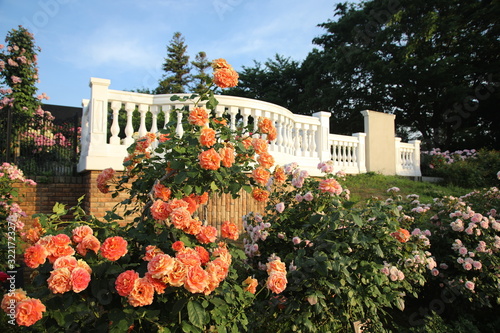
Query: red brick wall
[66,190]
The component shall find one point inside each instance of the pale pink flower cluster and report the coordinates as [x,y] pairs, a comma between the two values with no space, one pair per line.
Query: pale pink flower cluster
[393,189]
[257,231]
[326,167]
[307,197]
[299,176]
[290,167]
[392,272]
[422,236]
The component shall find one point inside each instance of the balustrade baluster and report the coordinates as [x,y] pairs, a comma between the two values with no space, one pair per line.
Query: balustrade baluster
[233,111]
[143,109]
[245,113]
[166,110]
[179,130]
[115,127]
[312,145]
[129,128]
[154,118]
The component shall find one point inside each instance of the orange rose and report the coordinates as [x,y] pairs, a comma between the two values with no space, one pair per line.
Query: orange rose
[176,203]
[198,116]
[209,159]
[35,255]
[160,265]
[219,268]
[226,78]
[222,252]
[80,279]
[203,253]
[59,247]
[279,174]
[142,294]
[261,175]
[192,205]
[266,160]
[29,311]
[125,282]
[208,234]
[189,257]
[260,145]
[247,142]
[84,265]
[266,126]
[59,281]
[151,252]
[194,227]
[90,242]
[200,199]
[260,194]
[276,282]
[161,192]
[159,210]
[69,262]
[177,275]
[230,230]
[276,266]
[250,285]
[79,233]
[163,137]
[178,246]
[180,218]
[196,279]
[158,285]
[114,248]
[207,137]
[401,235]
[12,297]
[220,63]
[227,156]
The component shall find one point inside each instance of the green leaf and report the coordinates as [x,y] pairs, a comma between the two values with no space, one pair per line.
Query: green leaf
[357,220]
[197,314]
[213,186]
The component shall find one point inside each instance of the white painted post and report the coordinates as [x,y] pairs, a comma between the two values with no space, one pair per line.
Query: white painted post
[361,152]
[98,113]
[399,165]
[322,133]
[416,158]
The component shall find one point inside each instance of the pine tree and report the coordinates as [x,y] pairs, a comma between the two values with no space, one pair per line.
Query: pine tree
[176,67]
[201,79]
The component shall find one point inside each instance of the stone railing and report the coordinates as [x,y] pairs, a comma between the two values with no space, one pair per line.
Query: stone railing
[302,139]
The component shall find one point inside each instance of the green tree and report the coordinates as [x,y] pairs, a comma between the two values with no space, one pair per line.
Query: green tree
[176,67]
[201,79]
[433,64]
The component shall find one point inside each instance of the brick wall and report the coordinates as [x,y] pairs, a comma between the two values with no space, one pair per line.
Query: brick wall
[66,190]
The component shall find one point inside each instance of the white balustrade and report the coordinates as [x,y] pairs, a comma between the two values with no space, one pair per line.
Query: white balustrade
[408,158]
[302,139]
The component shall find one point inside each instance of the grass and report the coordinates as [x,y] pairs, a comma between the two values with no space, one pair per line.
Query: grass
[367,185]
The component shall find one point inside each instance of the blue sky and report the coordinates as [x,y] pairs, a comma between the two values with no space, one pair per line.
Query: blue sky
[125,41]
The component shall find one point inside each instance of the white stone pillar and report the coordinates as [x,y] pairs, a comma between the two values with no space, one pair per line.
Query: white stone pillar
[322,148]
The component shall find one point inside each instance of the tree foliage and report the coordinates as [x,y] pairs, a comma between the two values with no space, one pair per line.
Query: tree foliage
[201,79]
[176,67]
[435,65]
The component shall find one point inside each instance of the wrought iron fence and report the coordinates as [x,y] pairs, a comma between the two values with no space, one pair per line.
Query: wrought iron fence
[45,146]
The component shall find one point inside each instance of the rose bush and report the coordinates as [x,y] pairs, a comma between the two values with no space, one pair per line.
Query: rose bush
[167,270]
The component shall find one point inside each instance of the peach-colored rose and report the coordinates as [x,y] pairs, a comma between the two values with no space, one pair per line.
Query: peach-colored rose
[250,284]
[261,175]
[203,253]
[59,247]
[276,266]
[160,265]
[276,282]
[200,199]
[213,281]
[209,159]
[208,234]
[32,235]
[142,294]
[227,156]
[207,137]
[279,175]
[230,230]
[59,281]
[266,160]
[161,192]
[15,296]
[226,78]
[29,311]
[331,186]
[80,232]
[219,268]
[180,218]
[192,204]
[69,262]
[222,252]
[158,285]
[266,126]
[196,279]
[220,63]
[247,142]
[151,252]
[189,257]
[125,282]
[198,116]
[178,246]
[260,194]
[177,275]
[81,263]
[159,210]
[80,279]
[260,145]
[89,242]
[194,227]
[35,255]
[113,248]
[176,203]
[401,235]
